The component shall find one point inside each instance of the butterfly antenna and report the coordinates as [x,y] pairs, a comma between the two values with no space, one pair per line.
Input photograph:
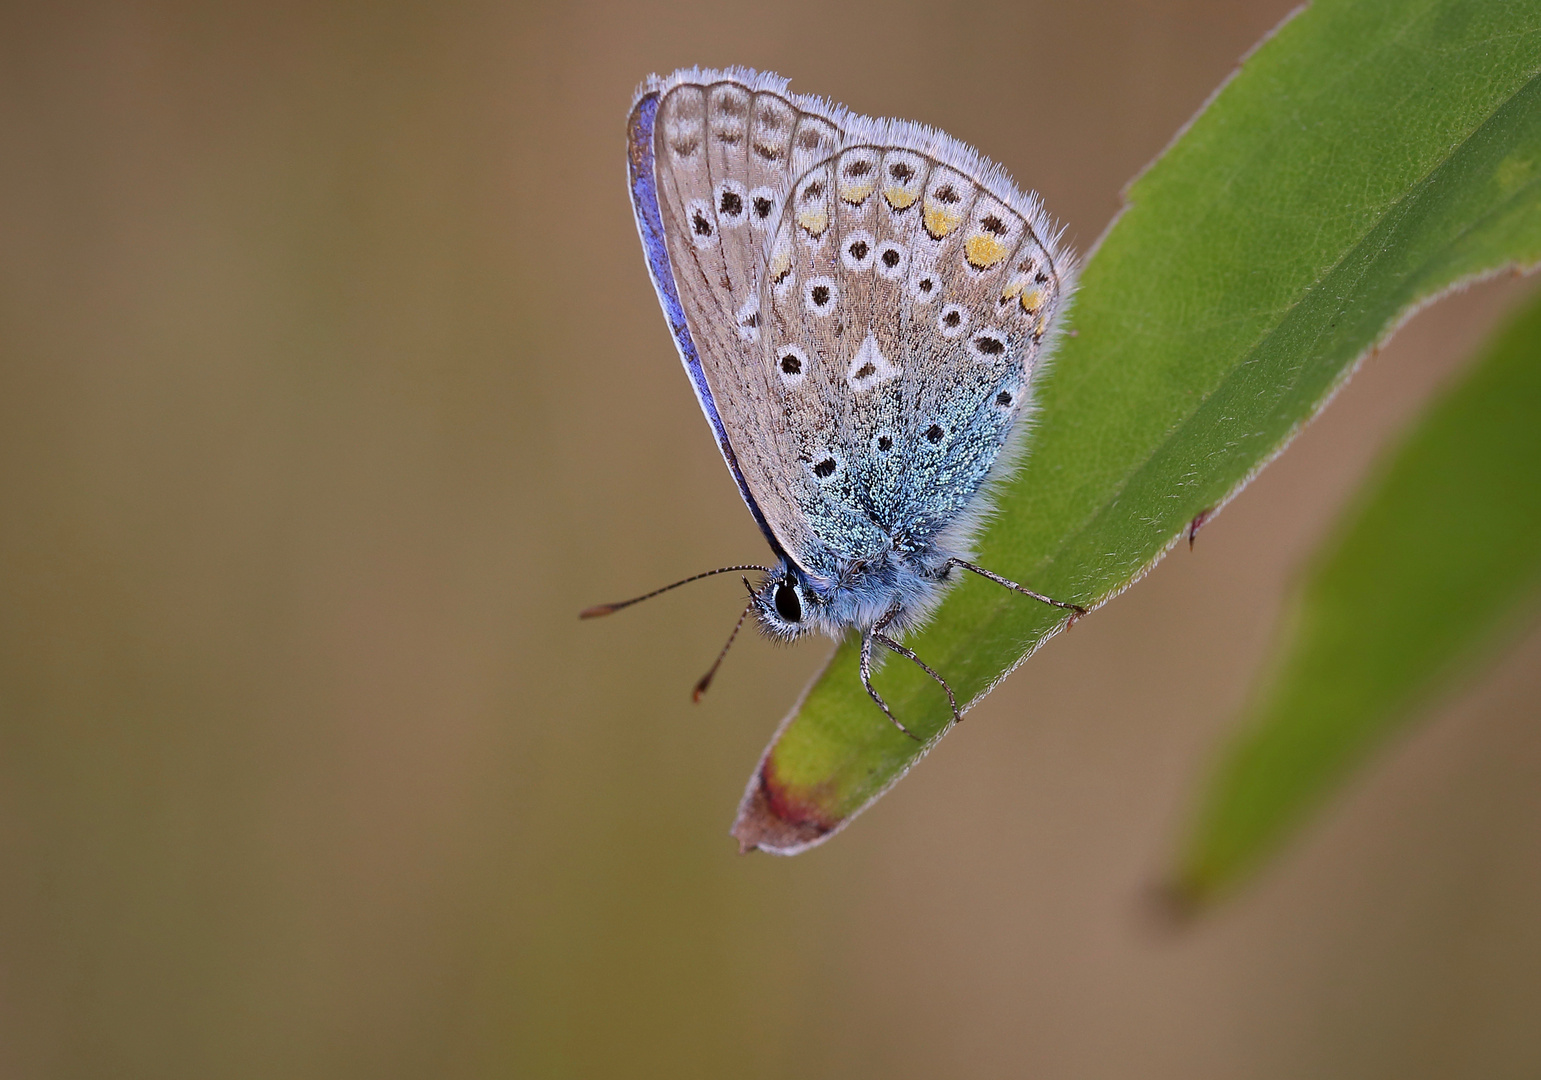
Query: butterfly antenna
[606,609]
[706,680]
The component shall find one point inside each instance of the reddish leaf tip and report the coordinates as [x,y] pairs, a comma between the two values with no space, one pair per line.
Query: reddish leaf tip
[771,820]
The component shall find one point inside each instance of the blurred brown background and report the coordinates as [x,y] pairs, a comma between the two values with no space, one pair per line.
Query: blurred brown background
[332,386]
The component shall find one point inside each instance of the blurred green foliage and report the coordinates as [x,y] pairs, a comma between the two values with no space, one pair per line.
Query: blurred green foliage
[1440,553]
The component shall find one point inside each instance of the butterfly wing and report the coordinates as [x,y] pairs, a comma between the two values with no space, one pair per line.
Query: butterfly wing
[712,154]
[922,285]
[860,305]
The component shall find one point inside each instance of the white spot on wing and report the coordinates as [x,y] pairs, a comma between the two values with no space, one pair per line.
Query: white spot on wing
[827,465]
[856,251]
[869,367]
[820,294]
[732,203]
[701,222]
[748,320]
[792,364]
[953,321]
[763,204]
[893,260]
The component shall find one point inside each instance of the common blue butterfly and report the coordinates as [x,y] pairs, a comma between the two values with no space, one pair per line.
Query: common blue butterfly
[861,306]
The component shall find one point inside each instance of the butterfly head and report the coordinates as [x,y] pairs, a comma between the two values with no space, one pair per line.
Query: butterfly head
[785,604]
[789,601]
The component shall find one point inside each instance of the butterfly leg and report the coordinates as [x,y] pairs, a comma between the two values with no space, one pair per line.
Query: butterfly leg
[909,654]
[1076,610]
[866,680]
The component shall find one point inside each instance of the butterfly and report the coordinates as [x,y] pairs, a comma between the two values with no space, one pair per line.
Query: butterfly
[861,307]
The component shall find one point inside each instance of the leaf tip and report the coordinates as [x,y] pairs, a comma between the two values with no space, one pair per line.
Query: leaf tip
[770,819]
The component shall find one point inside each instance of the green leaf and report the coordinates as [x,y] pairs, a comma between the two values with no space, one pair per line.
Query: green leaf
[1366,158]
[1439,554]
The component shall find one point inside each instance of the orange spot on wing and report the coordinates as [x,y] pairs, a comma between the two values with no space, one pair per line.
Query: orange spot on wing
[984,250]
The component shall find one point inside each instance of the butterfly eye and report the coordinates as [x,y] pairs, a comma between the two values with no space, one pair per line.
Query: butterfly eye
[788,604]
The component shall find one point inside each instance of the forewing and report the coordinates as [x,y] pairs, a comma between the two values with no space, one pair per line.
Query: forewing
[725,148]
